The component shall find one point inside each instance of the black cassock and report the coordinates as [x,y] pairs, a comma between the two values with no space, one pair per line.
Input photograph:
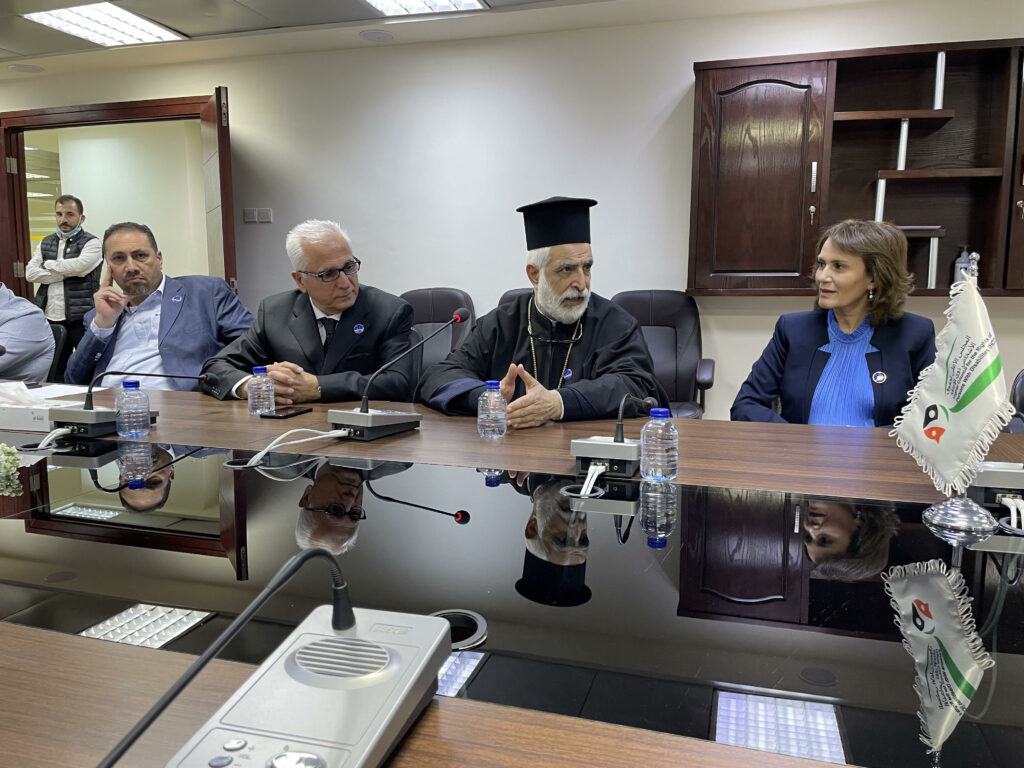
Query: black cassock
[607,359]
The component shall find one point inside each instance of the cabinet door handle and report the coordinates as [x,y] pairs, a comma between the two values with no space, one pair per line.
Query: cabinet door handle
[1020,207]
[796,518]
[814,176]
[812,210]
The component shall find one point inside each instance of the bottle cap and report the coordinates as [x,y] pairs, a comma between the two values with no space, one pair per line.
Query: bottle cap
[136,484]
[130,384]
[493,384]
[256,371]
[656,542]
[492,481]
[660,413]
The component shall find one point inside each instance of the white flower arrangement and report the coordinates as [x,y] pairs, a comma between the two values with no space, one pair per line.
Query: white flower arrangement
[10,483]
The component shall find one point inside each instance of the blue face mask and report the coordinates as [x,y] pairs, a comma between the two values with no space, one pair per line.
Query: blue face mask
[72,233]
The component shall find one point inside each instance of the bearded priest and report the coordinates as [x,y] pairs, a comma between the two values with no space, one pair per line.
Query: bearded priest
[560,352]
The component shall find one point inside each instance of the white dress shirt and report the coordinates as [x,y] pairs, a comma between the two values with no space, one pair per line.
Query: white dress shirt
[137,345]
[53,272]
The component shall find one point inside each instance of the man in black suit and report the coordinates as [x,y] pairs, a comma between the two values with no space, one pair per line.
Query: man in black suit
[322,341]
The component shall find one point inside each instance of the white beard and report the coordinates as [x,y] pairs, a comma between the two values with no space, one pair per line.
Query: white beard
[551,305]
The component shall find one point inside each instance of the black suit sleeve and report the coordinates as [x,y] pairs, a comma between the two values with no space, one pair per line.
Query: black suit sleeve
[236,360]
[396,383]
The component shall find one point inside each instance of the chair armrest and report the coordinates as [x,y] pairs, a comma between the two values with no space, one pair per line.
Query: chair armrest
[705,378]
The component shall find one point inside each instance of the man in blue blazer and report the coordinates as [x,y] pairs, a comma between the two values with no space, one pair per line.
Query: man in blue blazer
[149,322]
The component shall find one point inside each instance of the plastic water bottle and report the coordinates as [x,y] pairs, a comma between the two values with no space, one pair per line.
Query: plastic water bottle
[491,417]
[962,265]
[659,447]
[659,502]
[261,392]
[132,407]
[492,477]
[135,463]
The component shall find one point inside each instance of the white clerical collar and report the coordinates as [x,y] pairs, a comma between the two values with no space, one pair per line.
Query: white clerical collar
[317,314]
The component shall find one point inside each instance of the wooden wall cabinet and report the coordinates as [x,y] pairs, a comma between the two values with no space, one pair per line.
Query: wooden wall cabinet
[928,137]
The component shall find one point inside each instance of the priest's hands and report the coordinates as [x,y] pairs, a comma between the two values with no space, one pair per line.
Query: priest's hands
[534,408]
[508,384]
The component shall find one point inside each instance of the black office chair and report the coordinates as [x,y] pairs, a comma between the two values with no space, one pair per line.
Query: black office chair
[670,322]
[513,294]
[432,307]
[60,338]
[1016,398]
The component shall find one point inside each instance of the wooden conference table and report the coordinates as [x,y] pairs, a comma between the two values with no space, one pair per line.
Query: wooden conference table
[65,700]
[836,461]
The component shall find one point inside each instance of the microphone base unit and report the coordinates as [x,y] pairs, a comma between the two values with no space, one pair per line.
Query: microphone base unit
[328,698]
[83,454]
[374,423]
[95,423]
[622,459]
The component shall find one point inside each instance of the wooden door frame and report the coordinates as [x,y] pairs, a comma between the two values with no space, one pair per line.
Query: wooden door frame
[14,204]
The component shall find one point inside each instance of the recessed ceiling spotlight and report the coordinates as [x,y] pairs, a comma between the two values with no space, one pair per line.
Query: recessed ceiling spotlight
[376,36]
[27,68]
[104,24]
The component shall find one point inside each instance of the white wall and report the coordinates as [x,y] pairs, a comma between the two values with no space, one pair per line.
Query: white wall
[424,151]
[145,172]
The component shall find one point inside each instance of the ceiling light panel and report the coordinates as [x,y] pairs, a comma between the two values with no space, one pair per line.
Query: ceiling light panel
[408,7]
[104,24]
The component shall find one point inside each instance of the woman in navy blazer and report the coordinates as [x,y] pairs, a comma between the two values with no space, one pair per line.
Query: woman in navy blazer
[854,358]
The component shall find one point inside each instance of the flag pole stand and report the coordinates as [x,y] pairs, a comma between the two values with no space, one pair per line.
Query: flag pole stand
[959,521]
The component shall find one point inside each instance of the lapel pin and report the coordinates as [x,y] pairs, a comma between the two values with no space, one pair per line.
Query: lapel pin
[176,299]
[358,328]
[879,377]
[568,374]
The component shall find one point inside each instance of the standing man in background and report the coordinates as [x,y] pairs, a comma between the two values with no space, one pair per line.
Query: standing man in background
[67,266]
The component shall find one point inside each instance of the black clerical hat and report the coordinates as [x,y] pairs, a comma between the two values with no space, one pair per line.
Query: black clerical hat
[557,221]
[551,584]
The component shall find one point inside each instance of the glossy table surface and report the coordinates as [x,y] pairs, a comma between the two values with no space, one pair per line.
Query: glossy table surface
[658,636]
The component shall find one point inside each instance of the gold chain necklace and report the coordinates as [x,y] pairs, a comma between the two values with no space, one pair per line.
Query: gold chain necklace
[576,336]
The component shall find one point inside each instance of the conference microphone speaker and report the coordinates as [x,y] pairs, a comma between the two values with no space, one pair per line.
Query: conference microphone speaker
[365,423]
[620,456]
[88,421]
[339,692]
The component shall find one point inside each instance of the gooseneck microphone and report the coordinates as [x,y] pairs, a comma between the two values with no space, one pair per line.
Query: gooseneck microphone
[99,376]
[461,516]
[342,617]
[458,316]
[363,424]
[646,402]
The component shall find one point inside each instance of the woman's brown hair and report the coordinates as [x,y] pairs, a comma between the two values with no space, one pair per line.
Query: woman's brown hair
[883,247]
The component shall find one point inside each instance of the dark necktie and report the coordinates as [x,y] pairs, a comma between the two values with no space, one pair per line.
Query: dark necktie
[330,325]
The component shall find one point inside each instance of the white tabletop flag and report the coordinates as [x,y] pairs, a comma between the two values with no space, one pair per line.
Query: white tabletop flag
[959,404]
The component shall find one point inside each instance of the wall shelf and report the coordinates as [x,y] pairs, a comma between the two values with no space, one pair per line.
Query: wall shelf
[894,114]
[942,173]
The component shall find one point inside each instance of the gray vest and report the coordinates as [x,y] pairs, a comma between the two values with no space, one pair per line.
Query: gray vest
[78,291]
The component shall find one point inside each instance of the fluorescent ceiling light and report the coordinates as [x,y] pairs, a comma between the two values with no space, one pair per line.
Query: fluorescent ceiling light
[407,7]
[37,194]
[87,513]
[30,149]
[35,176]
[784,726]
[104,24]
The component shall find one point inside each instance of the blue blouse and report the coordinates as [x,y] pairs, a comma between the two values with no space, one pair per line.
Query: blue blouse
[844,395]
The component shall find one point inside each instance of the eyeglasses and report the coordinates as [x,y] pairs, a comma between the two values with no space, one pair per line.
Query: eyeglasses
[330,275]
[333,509]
